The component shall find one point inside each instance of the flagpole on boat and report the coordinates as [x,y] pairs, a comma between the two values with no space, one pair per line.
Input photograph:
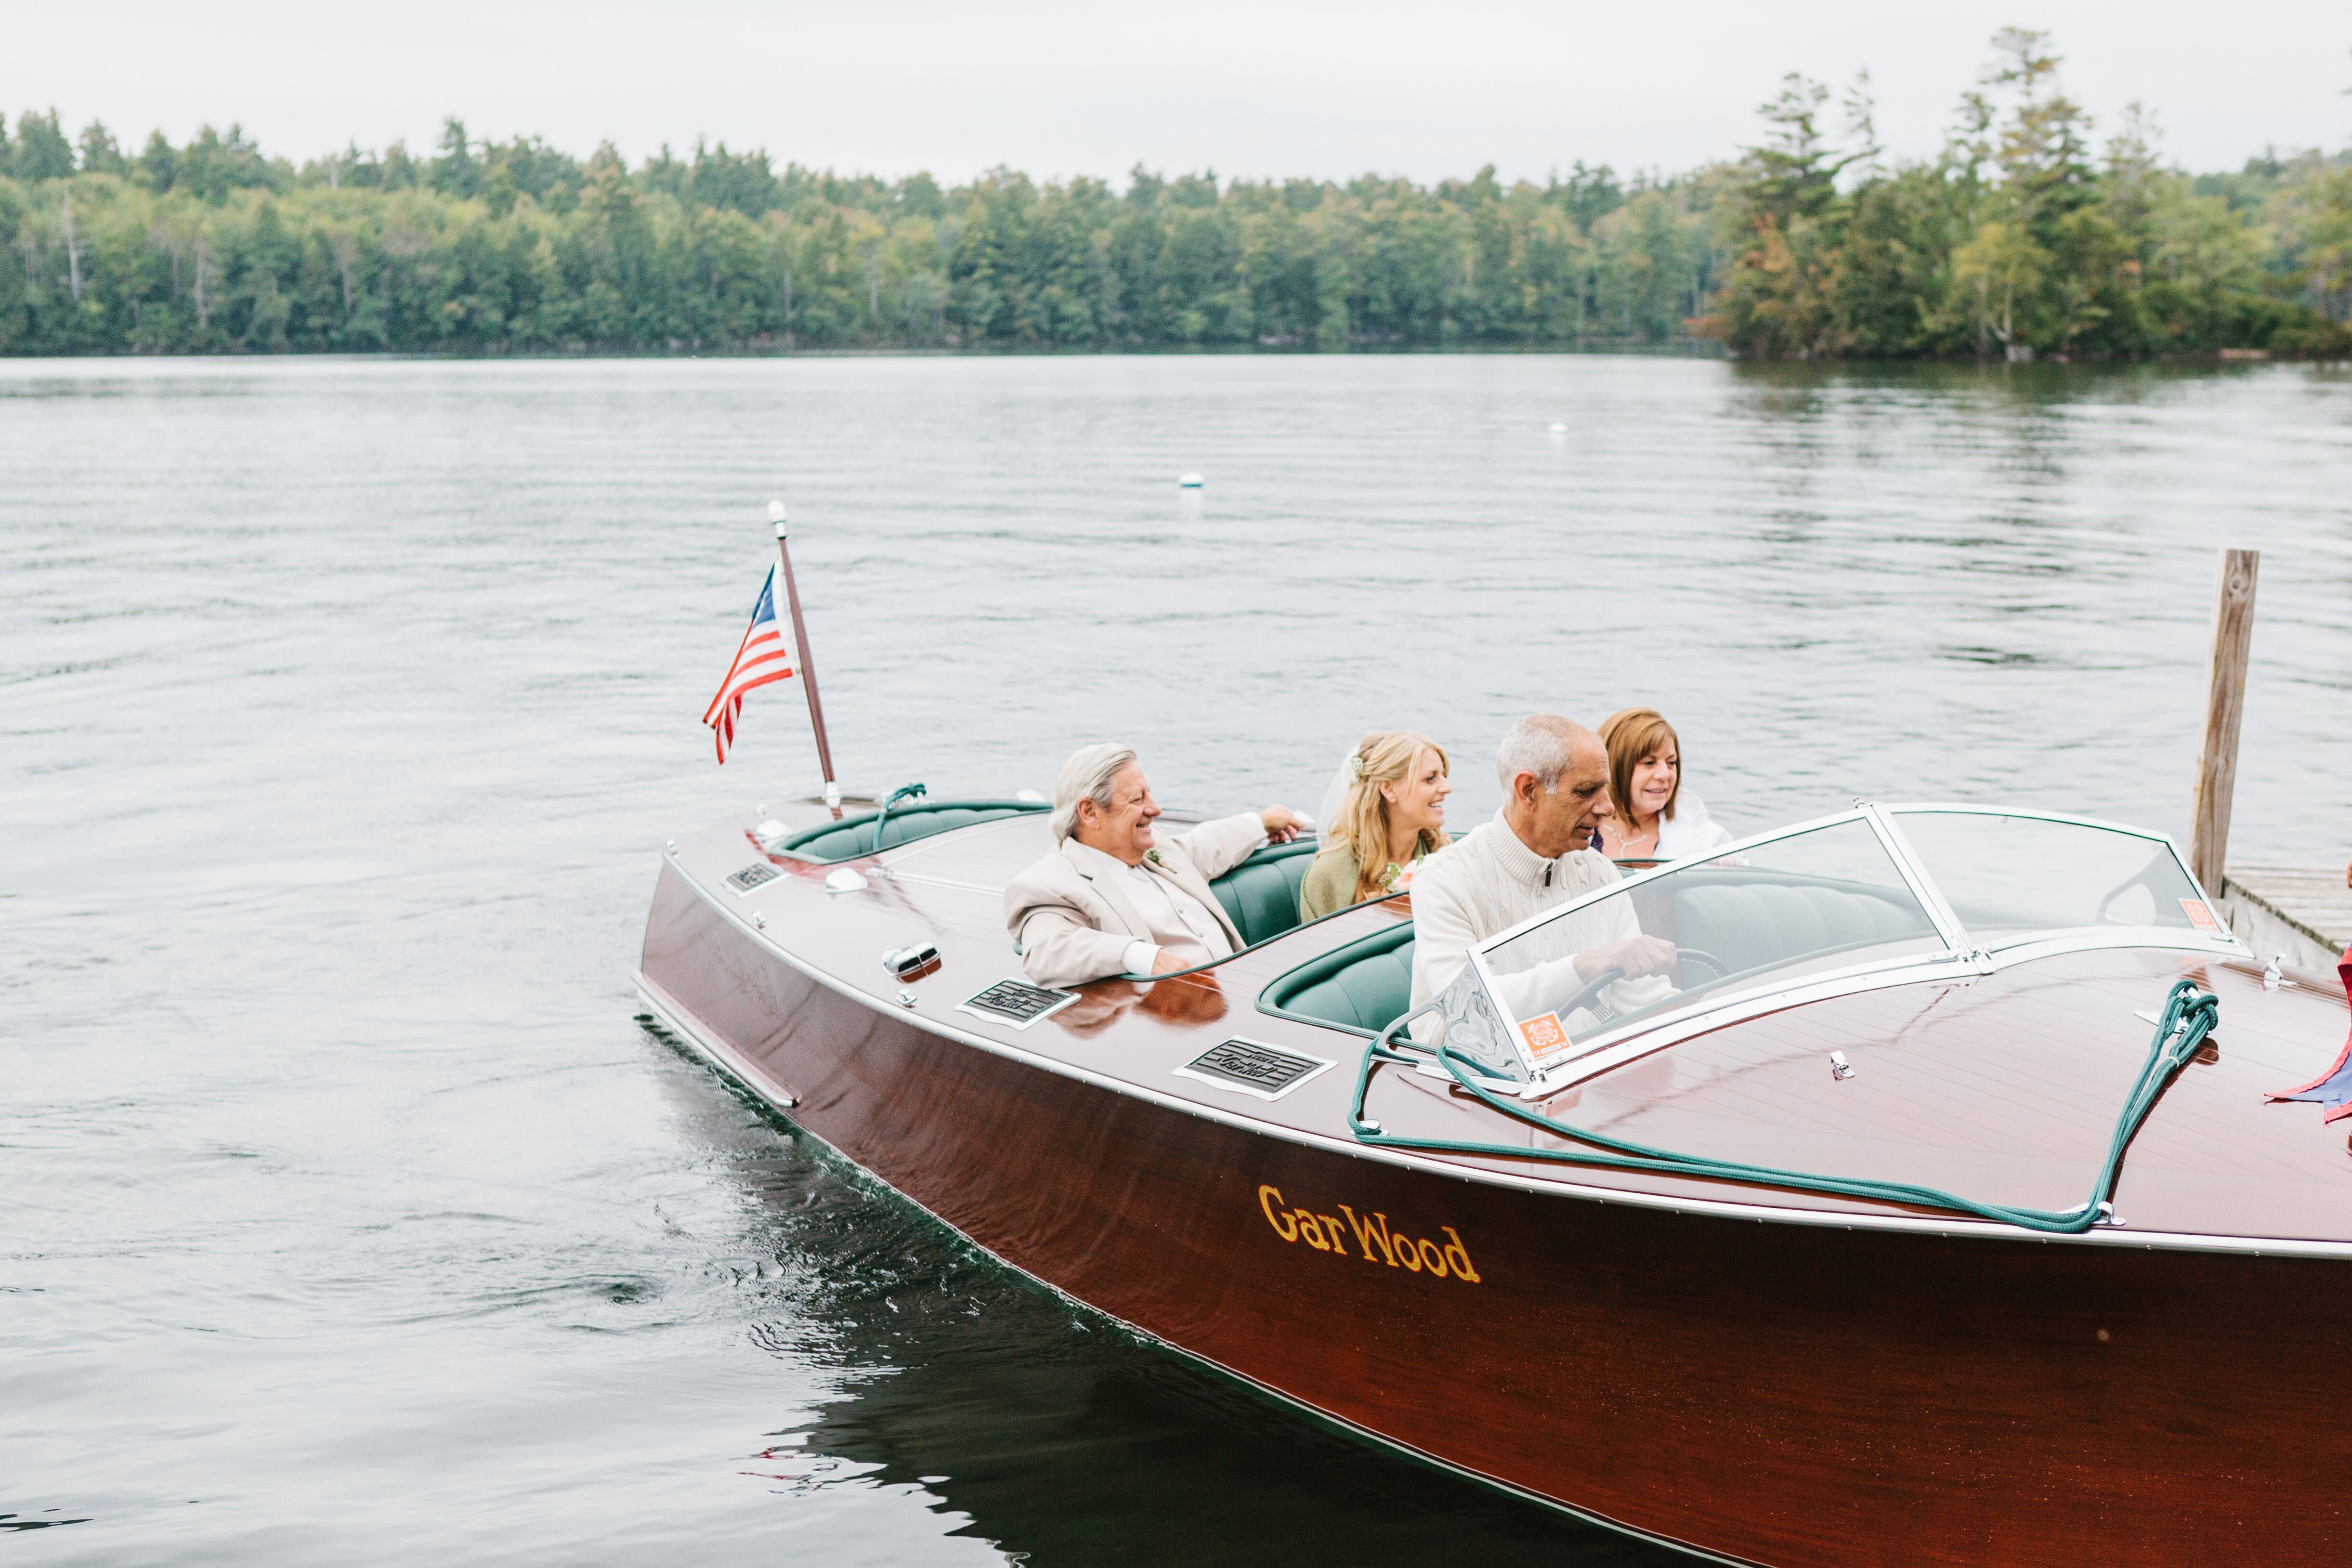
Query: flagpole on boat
[808,667]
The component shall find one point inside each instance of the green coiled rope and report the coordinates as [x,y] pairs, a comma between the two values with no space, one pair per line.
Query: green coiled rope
[2189,1014]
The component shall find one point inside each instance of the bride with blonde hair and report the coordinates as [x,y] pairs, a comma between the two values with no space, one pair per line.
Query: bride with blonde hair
[1390,815]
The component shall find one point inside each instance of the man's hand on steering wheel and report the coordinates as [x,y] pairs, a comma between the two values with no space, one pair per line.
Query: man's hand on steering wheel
[1635,956]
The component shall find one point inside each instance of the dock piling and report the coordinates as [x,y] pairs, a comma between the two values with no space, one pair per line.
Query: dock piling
[2225,700]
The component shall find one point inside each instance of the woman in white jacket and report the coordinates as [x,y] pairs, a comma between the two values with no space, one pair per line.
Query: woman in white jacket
[1657,819]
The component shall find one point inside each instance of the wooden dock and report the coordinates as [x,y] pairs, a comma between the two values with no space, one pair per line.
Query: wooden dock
[2302,912]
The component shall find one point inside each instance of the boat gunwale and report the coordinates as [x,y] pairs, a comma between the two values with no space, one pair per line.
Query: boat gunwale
[1532,1182]
[788,847]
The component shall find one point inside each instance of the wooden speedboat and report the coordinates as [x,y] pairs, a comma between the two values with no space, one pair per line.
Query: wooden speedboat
[1724,1354]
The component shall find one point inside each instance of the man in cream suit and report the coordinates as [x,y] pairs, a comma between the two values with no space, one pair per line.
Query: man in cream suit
[1117,898]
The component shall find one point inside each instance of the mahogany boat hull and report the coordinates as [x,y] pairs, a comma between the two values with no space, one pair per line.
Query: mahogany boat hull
[1796,1395]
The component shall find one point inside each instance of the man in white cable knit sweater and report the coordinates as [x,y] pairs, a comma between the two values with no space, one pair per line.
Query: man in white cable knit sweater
[1536,855]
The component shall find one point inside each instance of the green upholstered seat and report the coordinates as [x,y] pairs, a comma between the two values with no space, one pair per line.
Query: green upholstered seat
[853,835]
[1754,920]
[1363,986]
[1261,894]
[1750,919]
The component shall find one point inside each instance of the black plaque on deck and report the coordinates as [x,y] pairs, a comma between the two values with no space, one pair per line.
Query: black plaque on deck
[757,874]
[1266,1071]
[1015,1002]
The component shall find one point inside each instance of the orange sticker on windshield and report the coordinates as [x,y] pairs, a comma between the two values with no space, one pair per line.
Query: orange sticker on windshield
[2201,916]
[1544,1037]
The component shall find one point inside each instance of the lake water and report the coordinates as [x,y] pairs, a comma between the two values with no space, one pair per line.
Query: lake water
[346,1214]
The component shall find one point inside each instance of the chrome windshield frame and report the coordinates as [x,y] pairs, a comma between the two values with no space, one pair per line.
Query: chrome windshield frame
[1963,953]
[2058,937]
[1915,876]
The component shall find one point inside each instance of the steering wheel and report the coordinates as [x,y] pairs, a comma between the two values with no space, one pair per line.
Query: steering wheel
[1686,954]
[1591,992]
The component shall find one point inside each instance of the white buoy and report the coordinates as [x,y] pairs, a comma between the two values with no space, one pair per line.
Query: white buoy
[1188,481]
[1558,429]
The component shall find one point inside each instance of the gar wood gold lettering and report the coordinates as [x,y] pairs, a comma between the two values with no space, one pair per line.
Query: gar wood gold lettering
[1375,1242]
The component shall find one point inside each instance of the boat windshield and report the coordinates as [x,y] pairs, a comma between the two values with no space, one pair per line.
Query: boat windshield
[1854,893]
[2012,878]
[1821,898]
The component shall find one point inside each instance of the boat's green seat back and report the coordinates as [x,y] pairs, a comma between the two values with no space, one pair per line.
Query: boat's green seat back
[1753,920]
[853,835]
[1363,986]
[1261,894]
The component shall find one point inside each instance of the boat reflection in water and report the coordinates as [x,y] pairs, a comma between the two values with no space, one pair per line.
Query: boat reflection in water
[1839,1274]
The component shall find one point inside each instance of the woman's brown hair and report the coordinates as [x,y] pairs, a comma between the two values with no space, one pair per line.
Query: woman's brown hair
[1631,734]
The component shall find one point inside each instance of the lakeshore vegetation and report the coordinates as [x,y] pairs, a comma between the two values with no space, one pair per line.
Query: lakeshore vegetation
[2020,237]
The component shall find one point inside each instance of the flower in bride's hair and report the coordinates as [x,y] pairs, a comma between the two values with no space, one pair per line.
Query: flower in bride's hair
[1356,767]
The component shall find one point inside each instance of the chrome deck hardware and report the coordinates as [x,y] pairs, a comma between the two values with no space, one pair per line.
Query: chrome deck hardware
[1840,1068]
[914,959]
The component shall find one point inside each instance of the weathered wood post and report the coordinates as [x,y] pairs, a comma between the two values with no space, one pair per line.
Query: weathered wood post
[2225,704]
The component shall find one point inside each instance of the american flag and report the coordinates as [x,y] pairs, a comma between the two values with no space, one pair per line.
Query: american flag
[764,657]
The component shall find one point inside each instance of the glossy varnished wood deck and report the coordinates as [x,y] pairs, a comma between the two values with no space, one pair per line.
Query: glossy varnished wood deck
[2003,1088]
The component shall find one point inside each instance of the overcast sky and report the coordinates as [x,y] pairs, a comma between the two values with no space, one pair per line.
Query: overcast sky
[1261,88]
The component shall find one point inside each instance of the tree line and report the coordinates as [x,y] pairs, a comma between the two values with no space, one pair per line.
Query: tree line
[2019,238]
[2014,239]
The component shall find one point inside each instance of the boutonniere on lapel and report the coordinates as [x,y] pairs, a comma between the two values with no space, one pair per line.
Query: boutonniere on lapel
[1153,856]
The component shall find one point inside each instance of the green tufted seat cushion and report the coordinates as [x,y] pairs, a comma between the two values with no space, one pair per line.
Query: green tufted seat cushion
[1261,894]
[853,835]
[1753,921]
[1362,986]
[1750,919]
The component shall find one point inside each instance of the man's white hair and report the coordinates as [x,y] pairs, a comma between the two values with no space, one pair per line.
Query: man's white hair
[1542,744]
[1087,776]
